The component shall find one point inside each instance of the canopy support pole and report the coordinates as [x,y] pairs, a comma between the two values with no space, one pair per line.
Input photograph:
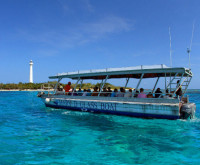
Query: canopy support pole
[81,83]
[165,83]
[155,84]
[56,86]
[102,85]
[138,84]
[171,82]
[127,80]
[75,86]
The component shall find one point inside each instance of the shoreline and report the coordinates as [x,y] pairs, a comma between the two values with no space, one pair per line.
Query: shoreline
[34,90]
[16,90]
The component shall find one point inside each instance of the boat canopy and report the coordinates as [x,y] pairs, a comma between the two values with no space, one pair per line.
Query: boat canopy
[151,71]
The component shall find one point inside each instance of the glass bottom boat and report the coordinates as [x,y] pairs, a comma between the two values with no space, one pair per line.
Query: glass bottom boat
[169,104]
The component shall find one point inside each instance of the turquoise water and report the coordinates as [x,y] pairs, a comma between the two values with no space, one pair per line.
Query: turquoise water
[32,134]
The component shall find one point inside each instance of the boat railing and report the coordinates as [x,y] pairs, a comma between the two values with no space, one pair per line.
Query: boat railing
[48,87]
[117,94]
[164,97]
[117,99]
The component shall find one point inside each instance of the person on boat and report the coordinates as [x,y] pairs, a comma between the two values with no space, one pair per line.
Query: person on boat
[79,92]
[84,92]
[109,92]
[158,93]
[89,92]
[104,92]
[121,93]
[179,91]
[142,94]
[67,88]
[60,87]
[95,92]
[167,92]
[59,91]
[149,95]
[74,92]
[136,93]
[129,93]
[114,93]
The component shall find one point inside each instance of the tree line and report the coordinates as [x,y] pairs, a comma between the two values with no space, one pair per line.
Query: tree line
[35,86]
[20,86]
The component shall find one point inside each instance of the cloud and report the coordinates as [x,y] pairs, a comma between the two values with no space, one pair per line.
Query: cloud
[81,34]
[107,25]
[73,6]
[94,31]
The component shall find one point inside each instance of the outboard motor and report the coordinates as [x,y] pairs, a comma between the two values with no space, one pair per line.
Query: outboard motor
[188,111]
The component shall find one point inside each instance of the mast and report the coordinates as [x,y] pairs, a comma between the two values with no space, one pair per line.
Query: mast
[170,40]
[189,49]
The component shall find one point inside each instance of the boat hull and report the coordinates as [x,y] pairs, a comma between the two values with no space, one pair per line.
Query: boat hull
[133,114]
[128,108]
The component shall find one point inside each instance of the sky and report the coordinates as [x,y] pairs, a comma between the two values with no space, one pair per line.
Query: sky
[70,35]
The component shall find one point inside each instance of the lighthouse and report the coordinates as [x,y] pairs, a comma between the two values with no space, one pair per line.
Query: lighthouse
[31,72]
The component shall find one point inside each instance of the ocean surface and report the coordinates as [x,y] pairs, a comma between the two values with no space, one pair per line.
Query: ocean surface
[32,134]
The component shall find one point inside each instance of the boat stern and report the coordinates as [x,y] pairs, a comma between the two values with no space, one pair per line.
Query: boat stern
[188,111]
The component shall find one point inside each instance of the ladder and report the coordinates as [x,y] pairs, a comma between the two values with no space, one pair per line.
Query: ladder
[183,84]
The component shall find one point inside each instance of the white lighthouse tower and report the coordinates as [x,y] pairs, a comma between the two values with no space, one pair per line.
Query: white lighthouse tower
[31,72]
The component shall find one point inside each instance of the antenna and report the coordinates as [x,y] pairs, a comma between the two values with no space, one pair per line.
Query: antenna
[189,49]
[170,39]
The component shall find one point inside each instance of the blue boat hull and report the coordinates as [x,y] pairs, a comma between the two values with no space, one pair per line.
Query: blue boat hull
[133,114]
